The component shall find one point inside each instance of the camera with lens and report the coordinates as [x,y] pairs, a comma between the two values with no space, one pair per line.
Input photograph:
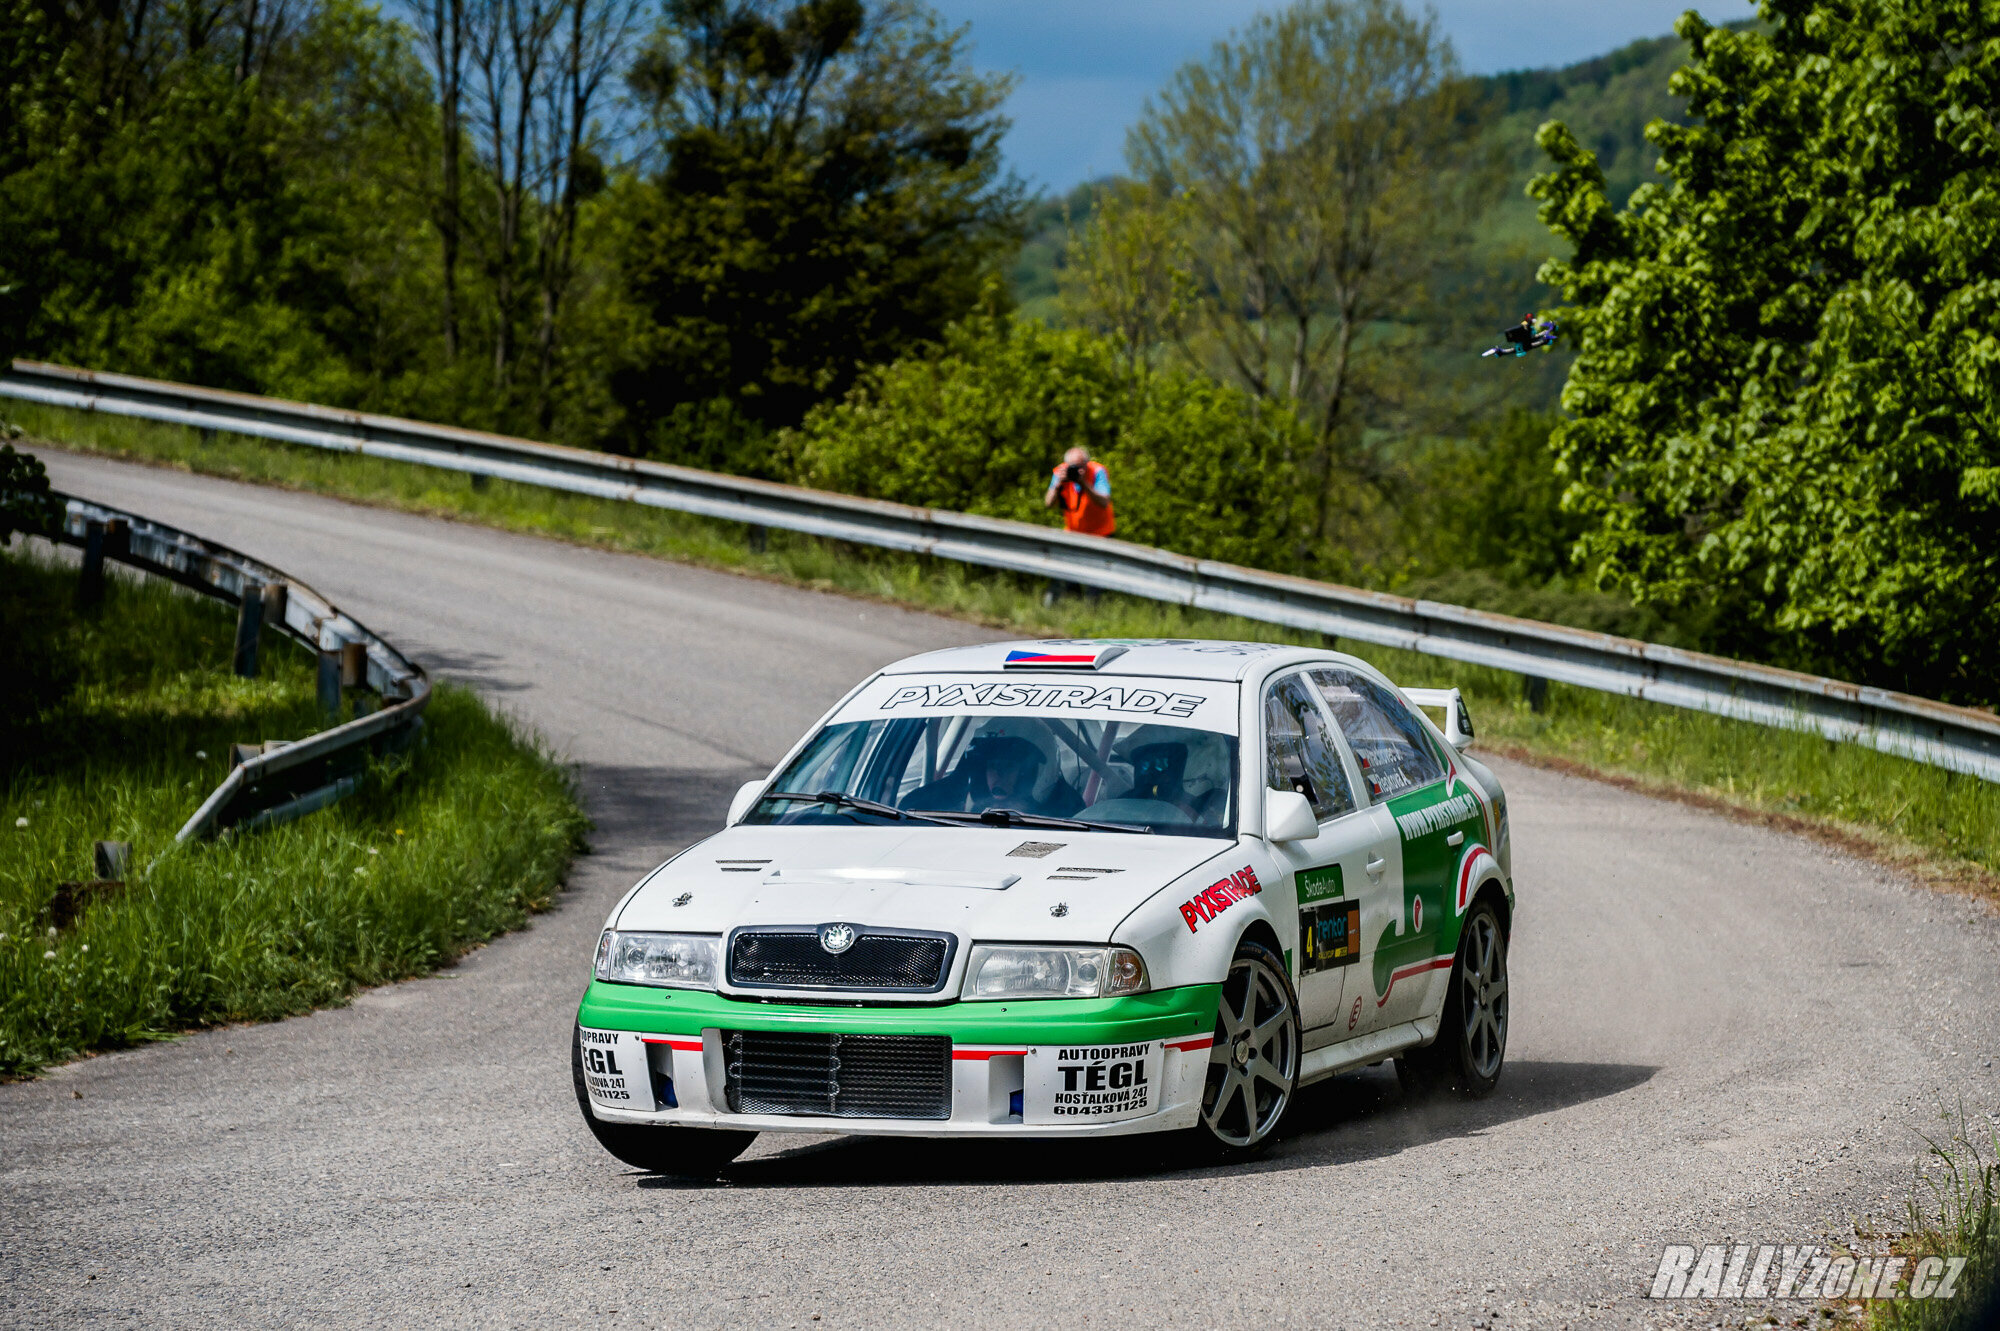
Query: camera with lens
[1076,474]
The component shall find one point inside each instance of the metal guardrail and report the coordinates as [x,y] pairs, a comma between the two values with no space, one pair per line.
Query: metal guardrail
[1961,739]
[297,777]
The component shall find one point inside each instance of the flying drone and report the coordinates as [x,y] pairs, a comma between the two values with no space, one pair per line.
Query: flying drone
[1532,333]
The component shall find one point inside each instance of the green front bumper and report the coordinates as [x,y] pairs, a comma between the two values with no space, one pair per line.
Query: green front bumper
[1164,1015]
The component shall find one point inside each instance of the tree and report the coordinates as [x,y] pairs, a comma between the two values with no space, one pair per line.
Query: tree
[1127,273]
[827,194]
[197,191]
[1327,161]
[442,33]
[1787,393]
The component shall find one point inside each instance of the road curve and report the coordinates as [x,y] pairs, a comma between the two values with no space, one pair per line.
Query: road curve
[1720,1033]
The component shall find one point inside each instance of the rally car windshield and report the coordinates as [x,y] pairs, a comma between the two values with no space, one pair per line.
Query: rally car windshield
[1027,771]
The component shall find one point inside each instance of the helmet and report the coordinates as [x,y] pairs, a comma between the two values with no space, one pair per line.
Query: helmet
[1008,750]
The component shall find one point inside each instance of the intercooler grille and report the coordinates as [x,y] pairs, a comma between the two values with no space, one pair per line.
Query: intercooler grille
[794,959]
[842,1076]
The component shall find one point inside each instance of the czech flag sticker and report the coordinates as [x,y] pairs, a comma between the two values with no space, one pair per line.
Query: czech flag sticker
[1090,660]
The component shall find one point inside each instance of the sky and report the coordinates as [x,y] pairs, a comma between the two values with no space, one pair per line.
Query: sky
[1085,67]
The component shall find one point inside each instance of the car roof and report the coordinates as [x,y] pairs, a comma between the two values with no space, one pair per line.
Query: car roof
[1173,658]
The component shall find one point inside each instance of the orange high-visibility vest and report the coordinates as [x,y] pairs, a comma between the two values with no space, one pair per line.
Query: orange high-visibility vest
[1082,509]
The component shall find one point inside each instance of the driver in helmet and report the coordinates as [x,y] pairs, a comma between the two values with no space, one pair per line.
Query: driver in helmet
[995,772]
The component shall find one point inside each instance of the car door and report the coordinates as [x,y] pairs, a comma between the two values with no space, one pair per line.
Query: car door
[1435,822]
[1326,873]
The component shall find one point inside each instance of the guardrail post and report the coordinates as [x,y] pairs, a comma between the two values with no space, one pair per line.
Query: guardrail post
[90,579]
[276,595]
[1536,690]
[249,628]
[329,668]
[759,538]
[353,664]
[111,537]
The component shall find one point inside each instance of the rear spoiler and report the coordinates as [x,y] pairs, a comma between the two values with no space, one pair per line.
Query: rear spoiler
[1457,721]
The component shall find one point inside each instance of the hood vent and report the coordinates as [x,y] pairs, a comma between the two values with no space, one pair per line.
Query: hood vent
[1035,850]
[1074,873]
[741,866]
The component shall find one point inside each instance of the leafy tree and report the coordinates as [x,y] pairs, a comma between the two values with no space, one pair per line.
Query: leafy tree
[976,425]
[1328,163]
[1128,272]
[828,194]
[200,195]
[1787,396]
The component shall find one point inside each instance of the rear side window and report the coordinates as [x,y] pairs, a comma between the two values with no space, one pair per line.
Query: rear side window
[1389,742]
[1299,754]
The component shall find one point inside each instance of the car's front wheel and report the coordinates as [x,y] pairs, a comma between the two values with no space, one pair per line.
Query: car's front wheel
[1471,1043]
[697,1153]
[1253,1067]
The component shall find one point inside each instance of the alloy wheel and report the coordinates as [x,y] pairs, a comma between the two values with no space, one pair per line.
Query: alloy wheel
[1483,981]
[1253,1066]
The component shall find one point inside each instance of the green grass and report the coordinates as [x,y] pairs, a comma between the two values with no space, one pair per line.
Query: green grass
[1943,826]
[1954,1210]
[457,841]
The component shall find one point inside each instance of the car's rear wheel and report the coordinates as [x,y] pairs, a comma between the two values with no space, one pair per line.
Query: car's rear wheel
[1471,1044]
[1253,1067]
[698,1153]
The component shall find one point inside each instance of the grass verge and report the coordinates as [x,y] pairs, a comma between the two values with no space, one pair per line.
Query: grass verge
[127,726]
[1954,1212]
[1942,827]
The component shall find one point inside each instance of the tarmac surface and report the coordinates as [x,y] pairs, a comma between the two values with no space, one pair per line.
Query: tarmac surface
[1720,1033]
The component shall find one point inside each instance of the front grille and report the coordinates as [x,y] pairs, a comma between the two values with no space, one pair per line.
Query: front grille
[792,958]
[842,1076]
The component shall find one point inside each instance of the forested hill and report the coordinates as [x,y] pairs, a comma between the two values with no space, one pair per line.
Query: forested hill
[1607,101]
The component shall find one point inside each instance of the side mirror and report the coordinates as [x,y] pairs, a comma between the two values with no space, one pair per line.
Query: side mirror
[1288,816]
[746,795]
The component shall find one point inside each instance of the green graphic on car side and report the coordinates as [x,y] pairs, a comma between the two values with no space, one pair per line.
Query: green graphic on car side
[1428,928]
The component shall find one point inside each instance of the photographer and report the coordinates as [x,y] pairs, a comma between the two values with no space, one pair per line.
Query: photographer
[1084,489]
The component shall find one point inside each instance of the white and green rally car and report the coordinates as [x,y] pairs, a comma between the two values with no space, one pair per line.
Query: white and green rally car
[1061,889]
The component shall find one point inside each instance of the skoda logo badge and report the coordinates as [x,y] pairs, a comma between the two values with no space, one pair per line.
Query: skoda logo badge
[837,938]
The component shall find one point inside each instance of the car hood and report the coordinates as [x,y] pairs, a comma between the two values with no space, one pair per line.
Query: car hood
[1066,886]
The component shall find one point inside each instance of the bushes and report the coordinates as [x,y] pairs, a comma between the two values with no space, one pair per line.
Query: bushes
[978,424]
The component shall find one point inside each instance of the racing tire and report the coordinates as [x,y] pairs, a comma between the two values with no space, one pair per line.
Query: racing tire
[689,1153]
[1253,1067]
[1471,1044]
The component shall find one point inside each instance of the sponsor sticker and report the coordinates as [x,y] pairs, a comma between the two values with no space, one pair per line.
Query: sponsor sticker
[1091,1083]
[1422,822]
[615,1072]
[1194,703]
[1060,697]
[1218,897]
[1320,884]
[1329,936]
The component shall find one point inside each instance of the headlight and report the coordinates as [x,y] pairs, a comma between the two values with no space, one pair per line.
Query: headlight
[680,961]
[1006,971]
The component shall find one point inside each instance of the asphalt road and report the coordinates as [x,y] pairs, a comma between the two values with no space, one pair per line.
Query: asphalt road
[1720,1033]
